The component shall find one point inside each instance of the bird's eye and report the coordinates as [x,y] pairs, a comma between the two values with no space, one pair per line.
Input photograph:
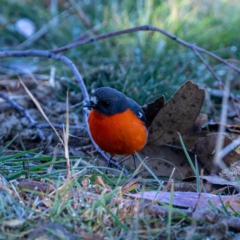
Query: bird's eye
[105,104]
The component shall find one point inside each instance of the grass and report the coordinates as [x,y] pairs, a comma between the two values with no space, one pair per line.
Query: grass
[74,205]
[21,212]
[143,65]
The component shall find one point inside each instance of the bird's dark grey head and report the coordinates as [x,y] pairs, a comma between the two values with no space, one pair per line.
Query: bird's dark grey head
[108,101]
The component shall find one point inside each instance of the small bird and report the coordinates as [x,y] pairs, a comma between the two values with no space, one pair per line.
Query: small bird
[116,122]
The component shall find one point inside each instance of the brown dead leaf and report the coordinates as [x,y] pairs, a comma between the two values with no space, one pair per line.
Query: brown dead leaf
[205,149]
[193,133]
[197,126]
[177,115]
[161,160]
[152,109]
[190,140]
[191,199]
[214,179]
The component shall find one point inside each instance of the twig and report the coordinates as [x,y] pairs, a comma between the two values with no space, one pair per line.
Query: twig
[209,68]
[220,83]
[145,28]
[60,126]
[24,113]
[229,148]
[217,160]
[49,54]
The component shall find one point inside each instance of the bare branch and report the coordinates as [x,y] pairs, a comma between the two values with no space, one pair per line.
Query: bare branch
[145,28]
[61,126]
[220,83]
[49,54]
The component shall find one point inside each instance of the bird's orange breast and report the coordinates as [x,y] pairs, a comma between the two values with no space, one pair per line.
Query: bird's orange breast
[119,134]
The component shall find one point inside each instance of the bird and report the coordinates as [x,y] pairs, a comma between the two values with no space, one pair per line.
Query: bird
[116,123]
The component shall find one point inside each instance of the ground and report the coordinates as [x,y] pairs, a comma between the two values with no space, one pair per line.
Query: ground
[171,198]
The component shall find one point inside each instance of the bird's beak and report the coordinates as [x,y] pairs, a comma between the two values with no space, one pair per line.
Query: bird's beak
[89,104]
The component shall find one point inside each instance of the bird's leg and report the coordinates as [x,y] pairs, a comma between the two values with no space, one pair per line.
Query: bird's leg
[108,165]
[110,161]
[134,161]
[135,166]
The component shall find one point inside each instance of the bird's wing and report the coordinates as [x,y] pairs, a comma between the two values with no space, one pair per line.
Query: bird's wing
[137,110]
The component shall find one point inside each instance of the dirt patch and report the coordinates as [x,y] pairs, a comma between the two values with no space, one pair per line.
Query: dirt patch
[13,123]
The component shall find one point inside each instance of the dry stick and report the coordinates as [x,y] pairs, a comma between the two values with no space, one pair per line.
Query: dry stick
[149,208]
[217,161]
[47,125]
[23,112]
[209,68]
[39,107]
[145,28]
[72,66]
[49,54]
[221,85]
[229,148]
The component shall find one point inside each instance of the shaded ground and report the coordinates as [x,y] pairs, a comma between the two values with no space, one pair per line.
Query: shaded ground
[13,124]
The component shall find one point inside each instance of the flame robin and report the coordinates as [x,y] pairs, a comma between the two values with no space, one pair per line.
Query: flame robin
[116,122]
